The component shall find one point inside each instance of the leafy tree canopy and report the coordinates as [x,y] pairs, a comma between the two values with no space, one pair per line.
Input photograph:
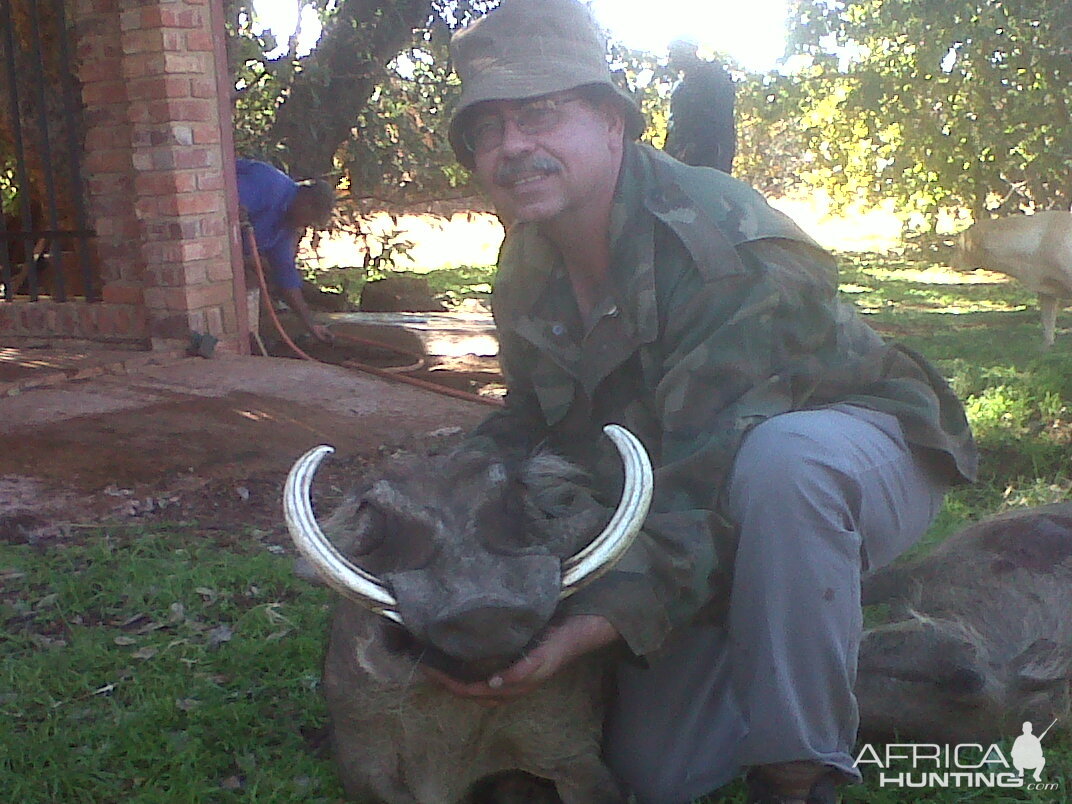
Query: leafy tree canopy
[935,104]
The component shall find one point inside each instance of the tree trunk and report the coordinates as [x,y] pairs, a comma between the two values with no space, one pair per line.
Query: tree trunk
[338,78]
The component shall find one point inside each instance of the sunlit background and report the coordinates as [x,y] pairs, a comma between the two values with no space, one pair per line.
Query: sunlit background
[752,33]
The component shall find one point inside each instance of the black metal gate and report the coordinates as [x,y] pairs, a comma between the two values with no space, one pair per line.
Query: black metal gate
[44,240]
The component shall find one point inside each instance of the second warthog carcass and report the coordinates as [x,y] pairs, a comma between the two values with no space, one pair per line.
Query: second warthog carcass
[982,634]
[459,561]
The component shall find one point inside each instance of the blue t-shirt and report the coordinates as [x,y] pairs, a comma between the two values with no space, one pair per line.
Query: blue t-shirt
[265,193]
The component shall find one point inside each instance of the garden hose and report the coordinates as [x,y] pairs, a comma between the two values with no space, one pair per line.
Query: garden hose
[385,373]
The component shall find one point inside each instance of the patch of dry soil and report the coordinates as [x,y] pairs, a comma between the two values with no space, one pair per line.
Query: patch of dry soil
[204,440]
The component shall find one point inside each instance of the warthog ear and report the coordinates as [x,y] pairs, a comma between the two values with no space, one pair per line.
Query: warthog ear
[961,680]
[559,504]
[1043,664]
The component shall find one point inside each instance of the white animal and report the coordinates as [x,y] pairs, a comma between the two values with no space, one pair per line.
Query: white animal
[1034,249]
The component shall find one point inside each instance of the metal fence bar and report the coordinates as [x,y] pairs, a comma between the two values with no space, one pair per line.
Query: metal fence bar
[74,163]
[19,146]
[34,235]
[59,291]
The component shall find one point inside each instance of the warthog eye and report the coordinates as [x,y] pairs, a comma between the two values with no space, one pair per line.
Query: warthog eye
[502,527]
[390,540]
[963,681]
[370,529]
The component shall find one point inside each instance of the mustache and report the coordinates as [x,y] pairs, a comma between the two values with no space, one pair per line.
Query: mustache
[514,169]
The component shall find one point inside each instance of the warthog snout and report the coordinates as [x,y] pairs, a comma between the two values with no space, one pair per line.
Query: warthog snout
[487,617]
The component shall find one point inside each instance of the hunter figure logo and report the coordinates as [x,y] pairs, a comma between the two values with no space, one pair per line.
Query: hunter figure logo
[1027,751]
[972,765]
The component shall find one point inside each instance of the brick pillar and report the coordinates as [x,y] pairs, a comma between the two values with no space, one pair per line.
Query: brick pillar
[155,166]
[106,164]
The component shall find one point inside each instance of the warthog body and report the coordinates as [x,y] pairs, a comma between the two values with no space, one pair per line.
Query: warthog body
[398,738]
[474,551]
[984,638]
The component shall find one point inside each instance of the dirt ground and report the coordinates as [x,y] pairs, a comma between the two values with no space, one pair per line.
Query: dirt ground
[194,439]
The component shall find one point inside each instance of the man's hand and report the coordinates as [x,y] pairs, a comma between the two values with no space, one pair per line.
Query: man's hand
[321,333]
[296,302]
[562,644]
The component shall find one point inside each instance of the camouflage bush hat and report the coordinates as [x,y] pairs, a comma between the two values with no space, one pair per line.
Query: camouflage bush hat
[527,48]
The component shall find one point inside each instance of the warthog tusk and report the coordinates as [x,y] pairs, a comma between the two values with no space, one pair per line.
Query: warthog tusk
[332,566]
[349,580]
[604,551]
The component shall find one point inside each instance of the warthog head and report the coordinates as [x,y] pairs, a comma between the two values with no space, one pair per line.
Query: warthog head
[982,639]
[468,553]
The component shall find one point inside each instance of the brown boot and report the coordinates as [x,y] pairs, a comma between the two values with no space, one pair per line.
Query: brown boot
[792,783]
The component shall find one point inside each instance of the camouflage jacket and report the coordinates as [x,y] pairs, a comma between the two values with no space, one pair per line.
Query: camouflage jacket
[724,313]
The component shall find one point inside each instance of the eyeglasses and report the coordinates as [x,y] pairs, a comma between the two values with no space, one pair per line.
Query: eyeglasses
[487,131]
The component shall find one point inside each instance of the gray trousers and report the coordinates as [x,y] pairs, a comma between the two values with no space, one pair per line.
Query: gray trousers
[821,497]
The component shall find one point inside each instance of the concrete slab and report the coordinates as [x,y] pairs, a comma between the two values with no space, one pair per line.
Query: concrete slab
[431,334]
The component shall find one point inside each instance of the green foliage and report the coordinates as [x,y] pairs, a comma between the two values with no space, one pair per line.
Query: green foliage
[986,337]
[366,106]
[461,282]
[9,186]
[943,105]
[650,81]
[383,251]
[775,135]
[399,148]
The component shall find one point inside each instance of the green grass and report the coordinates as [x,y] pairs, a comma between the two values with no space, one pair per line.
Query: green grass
[985,336]
[450,285]
[153,665]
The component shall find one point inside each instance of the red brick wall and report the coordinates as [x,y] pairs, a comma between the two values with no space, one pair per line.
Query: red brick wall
[156,140]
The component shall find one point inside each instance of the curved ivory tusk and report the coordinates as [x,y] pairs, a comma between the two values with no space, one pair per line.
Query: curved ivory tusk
[332,566]
[608,547]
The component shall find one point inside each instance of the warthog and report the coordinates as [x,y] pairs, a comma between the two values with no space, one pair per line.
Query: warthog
[985,638]
[463,560]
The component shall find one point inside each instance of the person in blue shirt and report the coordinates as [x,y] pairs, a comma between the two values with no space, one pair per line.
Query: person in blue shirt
[280,210]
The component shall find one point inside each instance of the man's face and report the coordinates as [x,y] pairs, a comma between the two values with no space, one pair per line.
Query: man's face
[546,159]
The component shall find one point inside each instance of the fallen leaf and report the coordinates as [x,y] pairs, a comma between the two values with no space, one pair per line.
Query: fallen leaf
[42,641]
[231,783]
[218,635]
[130,622]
